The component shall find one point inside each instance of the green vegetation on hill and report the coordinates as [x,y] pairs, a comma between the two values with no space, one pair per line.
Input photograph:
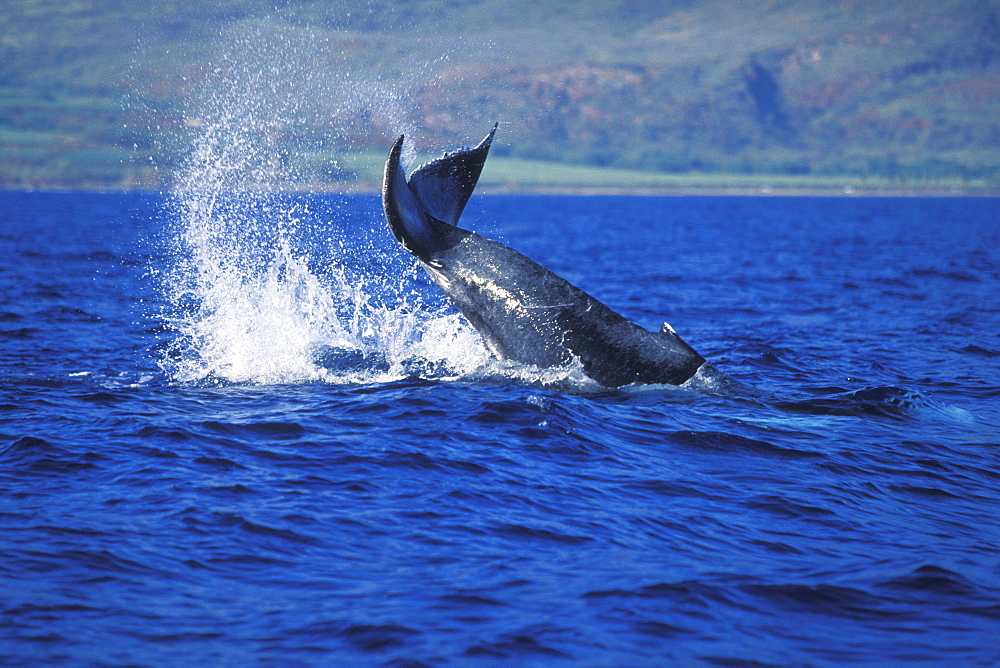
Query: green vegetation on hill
[678,94]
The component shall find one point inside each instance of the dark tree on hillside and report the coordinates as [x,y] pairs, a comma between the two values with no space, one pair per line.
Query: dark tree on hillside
[766,94]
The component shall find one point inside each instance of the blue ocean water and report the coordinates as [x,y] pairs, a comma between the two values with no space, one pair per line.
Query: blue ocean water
[247,429]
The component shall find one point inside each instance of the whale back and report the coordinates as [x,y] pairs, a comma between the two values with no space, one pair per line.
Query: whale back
[529,314]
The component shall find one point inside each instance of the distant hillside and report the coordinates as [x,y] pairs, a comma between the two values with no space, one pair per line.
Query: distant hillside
[103,93]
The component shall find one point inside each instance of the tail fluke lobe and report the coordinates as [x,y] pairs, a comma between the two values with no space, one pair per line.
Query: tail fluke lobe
[408,219]
[444,185]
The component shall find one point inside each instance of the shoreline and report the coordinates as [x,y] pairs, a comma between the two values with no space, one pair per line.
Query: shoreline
[566,191]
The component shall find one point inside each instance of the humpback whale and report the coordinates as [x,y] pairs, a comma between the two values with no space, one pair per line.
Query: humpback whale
[523,311]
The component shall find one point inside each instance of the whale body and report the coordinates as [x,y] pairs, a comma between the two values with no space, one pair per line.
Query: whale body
[523,311]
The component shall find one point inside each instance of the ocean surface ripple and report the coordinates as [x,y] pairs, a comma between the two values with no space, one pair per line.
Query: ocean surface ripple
[253,432]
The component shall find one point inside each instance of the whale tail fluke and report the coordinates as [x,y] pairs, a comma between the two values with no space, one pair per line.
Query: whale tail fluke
[435,194]
[444,185]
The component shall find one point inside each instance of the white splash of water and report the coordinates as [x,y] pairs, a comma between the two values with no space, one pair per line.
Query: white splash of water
[249,306]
